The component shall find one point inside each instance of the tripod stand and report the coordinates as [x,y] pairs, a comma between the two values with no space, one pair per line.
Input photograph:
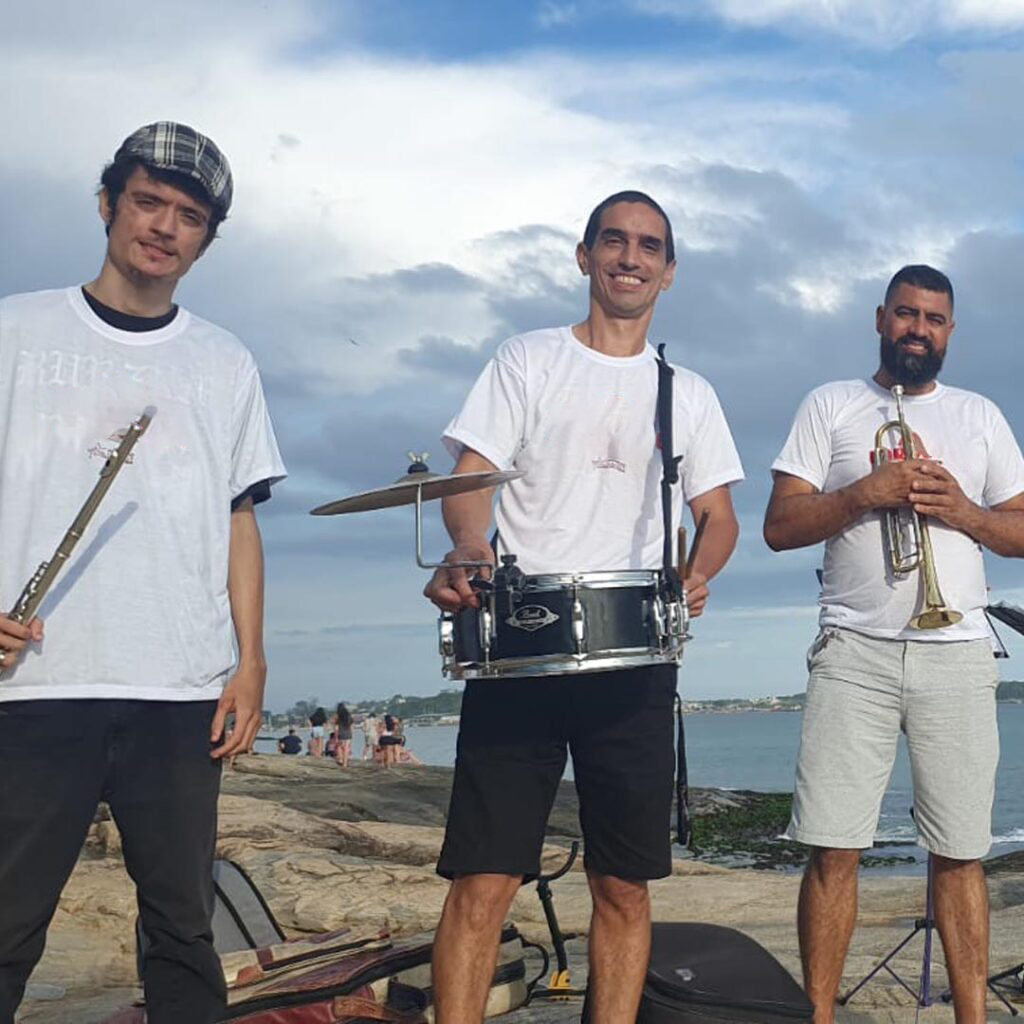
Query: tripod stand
[1013,980]
[923,996]
[926,924]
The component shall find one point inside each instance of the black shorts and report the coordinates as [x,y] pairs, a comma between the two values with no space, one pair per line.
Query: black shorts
[513,737]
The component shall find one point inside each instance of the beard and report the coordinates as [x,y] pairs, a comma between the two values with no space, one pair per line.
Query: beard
[908,367]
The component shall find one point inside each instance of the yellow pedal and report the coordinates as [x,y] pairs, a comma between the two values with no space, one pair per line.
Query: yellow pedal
[559,980]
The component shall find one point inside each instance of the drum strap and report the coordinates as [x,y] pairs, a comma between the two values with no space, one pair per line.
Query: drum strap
[670,475]
[683,832]
[669,471]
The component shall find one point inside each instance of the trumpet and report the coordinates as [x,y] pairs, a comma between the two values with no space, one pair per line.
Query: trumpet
[35,590]
[904,560]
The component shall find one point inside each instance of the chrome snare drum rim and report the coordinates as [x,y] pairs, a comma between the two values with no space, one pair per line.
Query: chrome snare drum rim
[558,665]
[593,580]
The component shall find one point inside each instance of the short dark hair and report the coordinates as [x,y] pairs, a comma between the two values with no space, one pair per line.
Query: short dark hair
[920,275]
[115,176]
[629,196]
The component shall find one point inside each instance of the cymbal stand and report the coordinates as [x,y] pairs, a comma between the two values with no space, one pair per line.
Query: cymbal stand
[559,986]
[419,544]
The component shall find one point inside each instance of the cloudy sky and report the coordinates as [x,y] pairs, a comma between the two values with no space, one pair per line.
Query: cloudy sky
[411,178]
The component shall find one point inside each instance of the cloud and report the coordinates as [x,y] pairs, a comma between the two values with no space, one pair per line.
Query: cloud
[551,14]
[874,23]
[397,216]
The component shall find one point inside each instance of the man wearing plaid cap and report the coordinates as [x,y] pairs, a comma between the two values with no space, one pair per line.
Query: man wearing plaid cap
[124,698]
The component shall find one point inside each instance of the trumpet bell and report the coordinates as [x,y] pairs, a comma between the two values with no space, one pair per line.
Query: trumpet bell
[935,618]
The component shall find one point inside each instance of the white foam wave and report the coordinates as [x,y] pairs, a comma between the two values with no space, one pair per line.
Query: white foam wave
[1015,835]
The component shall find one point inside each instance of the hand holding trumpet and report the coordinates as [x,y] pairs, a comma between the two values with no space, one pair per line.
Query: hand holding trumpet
[934,492]
[891,485]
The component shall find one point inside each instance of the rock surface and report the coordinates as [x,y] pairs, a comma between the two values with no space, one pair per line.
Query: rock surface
[330,848]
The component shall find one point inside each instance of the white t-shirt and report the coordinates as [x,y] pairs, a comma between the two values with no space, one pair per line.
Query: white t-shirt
[141,610]
[829,446]
[582,426]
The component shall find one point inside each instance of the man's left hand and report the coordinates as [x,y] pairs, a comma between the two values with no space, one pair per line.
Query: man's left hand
[244,696]
[935,492]
[696,585]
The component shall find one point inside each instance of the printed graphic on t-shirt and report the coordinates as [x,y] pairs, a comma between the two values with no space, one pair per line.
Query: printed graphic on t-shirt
[160,381]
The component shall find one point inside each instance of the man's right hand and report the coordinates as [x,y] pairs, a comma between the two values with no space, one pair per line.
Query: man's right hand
[450,589]
[14,637]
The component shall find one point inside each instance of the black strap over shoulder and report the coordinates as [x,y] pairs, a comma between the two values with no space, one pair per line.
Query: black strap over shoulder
[669,476]
[670,470]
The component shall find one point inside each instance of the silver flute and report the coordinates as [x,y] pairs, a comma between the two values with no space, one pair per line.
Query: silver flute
[35,590]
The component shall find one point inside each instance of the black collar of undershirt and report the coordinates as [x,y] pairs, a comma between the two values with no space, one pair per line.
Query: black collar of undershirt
[126,321]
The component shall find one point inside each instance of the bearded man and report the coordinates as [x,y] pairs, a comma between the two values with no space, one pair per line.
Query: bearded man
[873,672]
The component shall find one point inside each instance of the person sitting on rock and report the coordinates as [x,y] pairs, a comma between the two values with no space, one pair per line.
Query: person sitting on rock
[290,744]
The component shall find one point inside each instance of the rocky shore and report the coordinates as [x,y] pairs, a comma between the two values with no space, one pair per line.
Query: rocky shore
[330,848]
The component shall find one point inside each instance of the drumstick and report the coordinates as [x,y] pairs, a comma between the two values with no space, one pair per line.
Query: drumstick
[680,550]
[697,534]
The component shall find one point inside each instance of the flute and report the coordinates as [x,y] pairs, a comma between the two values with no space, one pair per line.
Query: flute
[35,590]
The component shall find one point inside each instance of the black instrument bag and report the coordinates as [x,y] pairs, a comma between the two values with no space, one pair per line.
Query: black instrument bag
[701,973]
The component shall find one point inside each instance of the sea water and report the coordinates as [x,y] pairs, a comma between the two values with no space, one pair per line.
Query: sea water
[757,750]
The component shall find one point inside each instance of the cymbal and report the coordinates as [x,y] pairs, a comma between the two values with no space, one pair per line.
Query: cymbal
[403,490]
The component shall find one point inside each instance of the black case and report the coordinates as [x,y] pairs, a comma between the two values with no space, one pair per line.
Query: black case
[704,972]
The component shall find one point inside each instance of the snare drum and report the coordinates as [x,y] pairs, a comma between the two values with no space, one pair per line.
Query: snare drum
[562,623]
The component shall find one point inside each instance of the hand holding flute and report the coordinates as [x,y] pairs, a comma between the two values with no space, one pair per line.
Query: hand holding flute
[20,626]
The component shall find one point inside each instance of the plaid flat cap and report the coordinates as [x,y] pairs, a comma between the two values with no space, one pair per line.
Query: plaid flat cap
[177,147]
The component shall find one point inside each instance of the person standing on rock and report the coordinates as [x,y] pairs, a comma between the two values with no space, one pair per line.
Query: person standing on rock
[343,718]
[135,674]
[371,732]
[575,408]
[878,667]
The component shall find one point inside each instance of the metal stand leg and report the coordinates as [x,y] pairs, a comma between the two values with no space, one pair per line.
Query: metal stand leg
[996,983]
[560,985]
[1003,980]
[926,924]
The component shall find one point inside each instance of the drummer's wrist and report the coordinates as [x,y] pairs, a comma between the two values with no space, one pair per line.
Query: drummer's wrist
[476,541]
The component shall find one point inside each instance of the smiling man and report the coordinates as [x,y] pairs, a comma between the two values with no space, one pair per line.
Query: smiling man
[873,672]
[124,696]
[575,408]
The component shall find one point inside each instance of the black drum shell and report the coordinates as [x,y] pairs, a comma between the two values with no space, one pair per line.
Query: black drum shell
[617,616]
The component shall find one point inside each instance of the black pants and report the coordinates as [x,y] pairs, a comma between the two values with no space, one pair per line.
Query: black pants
[150,760]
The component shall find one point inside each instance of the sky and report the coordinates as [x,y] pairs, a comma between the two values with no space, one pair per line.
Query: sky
[410,182]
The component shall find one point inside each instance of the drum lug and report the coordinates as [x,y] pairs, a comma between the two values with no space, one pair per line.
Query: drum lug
[678,623]
[446,641]
[660,625]
[486,626]
[578,620]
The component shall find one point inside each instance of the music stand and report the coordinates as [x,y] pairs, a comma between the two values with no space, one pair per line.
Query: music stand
[1012,980]
[926,924]
[923,997]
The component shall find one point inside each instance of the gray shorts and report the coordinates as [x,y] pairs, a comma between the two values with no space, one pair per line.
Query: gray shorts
[861,694]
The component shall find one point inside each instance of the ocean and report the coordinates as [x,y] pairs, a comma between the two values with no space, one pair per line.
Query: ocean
[757,750]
